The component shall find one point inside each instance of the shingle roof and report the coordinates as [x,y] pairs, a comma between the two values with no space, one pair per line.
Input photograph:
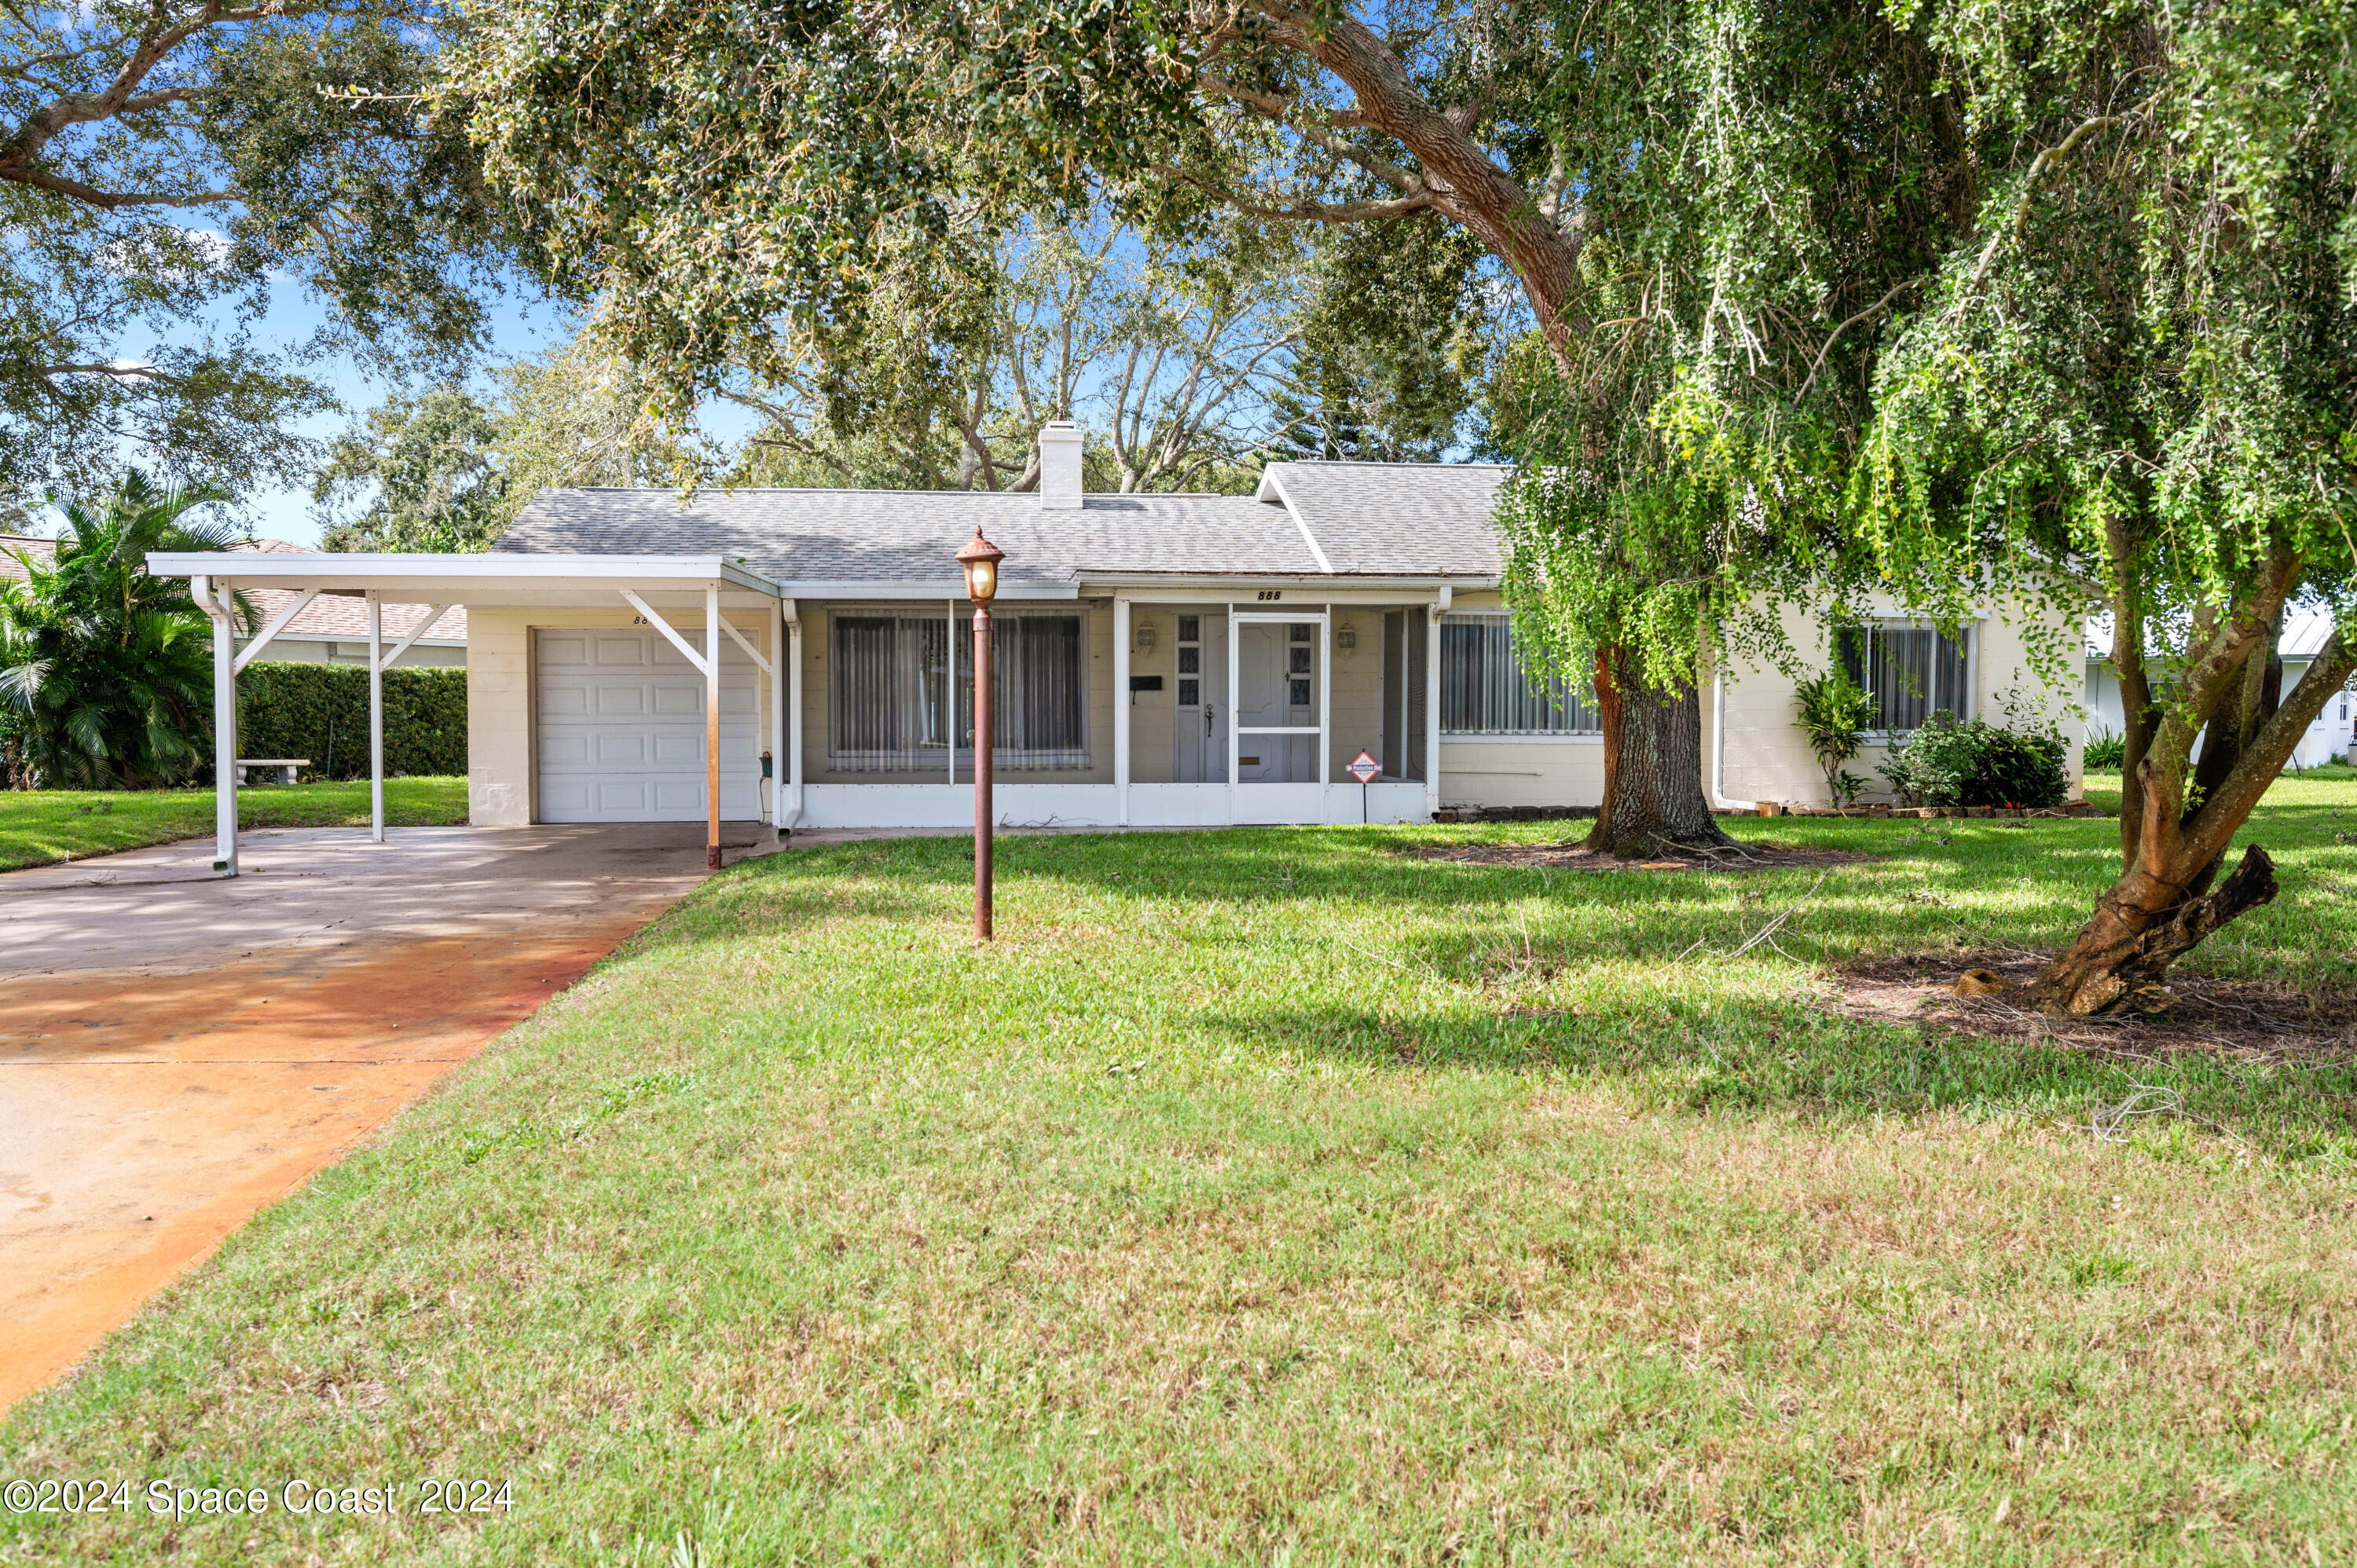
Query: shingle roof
[1369,519]
[1425,518]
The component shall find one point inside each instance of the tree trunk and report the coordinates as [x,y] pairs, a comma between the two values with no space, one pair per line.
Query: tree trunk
[1654,801]
[2118,960]
[2162,907]
[1608,716]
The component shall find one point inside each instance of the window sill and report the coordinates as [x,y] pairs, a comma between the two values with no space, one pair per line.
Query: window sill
[1512,737]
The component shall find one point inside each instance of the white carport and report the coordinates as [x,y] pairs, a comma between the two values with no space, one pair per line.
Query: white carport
[664,590]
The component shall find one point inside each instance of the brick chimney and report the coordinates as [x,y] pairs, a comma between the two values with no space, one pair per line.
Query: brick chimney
[1059,465]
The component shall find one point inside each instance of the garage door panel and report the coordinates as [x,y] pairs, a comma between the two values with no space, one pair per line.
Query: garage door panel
[621,795]
[621,652]
[621,722]
[621,749]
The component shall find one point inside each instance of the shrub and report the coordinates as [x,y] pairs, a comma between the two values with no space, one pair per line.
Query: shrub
[320,711]
[1834,717]
[2106,750]
[1949,763]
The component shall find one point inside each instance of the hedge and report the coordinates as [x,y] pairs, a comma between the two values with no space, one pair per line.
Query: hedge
[320,711]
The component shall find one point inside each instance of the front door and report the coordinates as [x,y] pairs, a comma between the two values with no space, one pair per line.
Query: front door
[1203,717]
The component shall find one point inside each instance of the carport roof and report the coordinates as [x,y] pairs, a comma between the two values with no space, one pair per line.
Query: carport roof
[467,579]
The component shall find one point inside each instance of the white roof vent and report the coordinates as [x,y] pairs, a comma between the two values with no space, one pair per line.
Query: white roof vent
[1059,465]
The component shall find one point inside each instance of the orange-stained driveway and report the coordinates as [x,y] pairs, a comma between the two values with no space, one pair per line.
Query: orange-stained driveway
[177,1051]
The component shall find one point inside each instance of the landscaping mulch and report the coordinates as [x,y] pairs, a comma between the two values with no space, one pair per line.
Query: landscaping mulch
[2247,1020]
[1568,856]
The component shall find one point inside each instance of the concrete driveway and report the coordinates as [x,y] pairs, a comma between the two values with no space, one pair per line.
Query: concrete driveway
[177,1051]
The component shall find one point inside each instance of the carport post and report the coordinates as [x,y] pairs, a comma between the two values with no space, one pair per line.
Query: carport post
[794,704]
[712,726]
[376,720]
[224,727]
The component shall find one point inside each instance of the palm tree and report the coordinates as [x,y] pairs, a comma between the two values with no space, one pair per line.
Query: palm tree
[106,672]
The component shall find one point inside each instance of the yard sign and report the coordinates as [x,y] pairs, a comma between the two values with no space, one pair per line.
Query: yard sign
[1365,768]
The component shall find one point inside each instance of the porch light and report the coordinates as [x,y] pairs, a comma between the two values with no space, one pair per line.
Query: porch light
[981,559]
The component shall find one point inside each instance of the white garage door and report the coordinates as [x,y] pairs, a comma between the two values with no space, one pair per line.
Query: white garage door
[621,730]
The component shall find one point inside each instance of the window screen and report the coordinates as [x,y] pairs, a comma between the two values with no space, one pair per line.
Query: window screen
[1909,671]
[892,693]
[887,694]
[1485,689]
[1038,691]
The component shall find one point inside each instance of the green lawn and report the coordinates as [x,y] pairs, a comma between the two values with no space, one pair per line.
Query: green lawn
[1273,1197]
[39,826]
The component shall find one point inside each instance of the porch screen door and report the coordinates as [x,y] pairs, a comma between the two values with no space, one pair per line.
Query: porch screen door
[1278,690]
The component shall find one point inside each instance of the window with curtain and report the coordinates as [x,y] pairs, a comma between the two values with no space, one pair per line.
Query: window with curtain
[1910,671]
[1038,691]
[1486,689]
[895,698]
[887,693]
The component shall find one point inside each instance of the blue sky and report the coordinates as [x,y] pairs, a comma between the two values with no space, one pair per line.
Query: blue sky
[520,328]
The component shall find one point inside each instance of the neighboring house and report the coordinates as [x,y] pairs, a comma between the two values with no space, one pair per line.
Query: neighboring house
[331,629]
[2304,634]
[1163,660]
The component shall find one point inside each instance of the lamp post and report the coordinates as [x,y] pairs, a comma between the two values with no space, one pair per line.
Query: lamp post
[980,561]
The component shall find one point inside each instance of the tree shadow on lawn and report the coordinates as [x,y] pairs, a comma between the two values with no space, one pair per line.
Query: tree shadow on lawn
[1789,1057]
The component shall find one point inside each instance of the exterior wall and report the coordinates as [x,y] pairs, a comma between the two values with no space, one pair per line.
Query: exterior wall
[503,770]
[500,782]
[1505,770]
[1555,771]
[1357,722]
[1153,716]
[1768,760]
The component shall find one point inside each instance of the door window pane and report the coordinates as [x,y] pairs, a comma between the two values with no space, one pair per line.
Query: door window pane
[1190,629]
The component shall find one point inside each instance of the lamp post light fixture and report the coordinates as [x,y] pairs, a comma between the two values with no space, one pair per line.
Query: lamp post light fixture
[980,560]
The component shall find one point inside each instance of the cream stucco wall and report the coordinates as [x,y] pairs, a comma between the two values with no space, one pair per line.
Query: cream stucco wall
[502,773]
[1768,760]
[1548,771]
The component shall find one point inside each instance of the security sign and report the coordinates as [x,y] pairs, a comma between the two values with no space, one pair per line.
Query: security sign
[1365,768]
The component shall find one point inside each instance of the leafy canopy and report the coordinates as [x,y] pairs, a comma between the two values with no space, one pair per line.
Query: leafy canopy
[1764,183]
[165,165]
[107,671]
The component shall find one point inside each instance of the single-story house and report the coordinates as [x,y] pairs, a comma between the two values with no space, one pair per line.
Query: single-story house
[803,658]
[2329,735]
